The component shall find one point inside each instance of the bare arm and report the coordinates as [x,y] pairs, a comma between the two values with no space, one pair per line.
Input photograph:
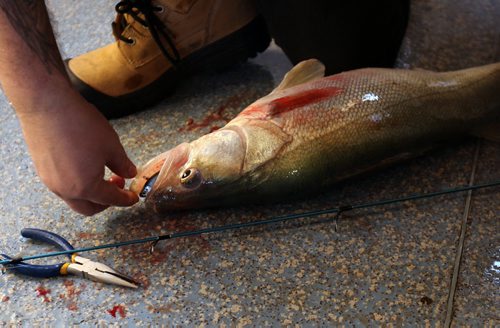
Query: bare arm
[29,58]
[69,140]
[35,30]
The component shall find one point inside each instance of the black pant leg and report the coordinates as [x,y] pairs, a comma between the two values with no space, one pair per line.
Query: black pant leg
[344,35]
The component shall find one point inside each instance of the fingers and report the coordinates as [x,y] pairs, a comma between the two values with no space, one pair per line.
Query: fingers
[108,193]
[121,164]
[118,181]
[85,207]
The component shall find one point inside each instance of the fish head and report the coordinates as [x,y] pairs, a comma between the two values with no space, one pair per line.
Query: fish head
[197,174]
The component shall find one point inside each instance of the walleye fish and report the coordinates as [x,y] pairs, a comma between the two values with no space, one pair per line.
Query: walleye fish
[312,131]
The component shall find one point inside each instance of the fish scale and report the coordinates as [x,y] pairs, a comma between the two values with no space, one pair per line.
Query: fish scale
[379,110]
[312,131]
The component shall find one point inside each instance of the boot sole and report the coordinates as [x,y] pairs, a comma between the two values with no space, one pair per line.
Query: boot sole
[237,47]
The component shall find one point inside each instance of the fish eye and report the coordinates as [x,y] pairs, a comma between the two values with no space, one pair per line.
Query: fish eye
[191,178]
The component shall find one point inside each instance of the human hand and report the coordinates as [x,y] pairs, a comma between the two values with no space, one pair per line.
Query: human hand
[71,143]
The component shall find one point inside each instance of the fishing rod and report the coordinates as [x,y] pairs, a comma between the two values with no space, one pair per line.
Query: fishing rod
[335,210]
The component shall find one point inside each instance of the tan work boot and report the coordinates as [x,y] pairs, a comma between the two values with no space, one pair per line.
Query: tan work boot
[159,42]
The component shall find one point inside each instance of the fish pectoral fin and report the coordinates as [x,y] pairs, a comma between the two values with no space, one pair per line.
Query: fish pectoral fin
[305,71]
[489,132]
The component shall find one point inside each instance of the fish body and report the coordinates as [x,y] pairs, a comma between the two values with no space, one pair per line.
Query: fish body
[313,131]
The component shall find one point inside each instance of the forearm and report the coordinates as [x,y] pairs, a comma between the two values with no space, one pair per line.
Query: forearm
[69,140]
[30,64]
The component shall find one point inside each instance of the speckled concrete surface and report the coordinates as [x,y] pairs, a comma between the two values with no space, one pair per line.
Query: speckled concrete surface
[479,284]
[444,35]
[385,265]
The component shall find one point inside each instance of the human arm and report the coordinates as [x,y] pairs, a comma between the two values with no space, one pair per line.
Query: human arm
[70,142]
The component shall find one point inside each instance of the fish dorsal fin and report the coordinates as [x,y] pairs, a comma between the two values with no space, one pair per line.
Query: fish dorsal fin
[305,71]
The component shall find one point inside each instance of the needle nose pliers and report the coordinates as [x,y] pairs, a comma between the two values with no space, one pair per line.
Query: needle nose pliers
[78,265]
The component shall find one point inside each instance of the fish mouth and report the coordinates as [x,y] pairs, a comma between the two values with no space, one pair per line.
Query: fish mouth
[142,182]
[159,189]
[158,167]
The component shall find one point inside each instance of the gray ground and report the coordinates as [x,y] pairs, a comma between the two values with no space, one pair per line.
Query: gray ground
[391,264]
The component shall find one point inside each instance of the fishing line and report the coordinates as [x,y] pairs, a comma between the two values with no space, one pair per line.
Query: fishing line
[336,210]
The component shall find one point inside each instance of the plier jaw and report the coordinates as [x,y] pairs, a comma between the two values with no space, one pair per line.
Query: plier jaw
[99,272]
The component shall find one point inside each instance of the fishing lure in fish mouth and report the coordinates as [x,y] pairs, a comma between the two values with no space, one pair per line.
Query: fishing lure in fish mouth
[148,186]
[147,175]
[312,131]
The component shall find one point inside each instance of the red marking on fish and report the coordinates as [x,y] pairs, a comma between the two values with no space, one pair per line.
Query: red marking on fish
[42,292]
[308,97]
[117,308]
[5,299]
[288,103]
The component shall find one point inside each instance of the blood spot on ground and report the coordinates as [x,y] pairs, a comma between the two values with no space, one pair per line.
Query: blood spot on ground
[43,292]
[120,309]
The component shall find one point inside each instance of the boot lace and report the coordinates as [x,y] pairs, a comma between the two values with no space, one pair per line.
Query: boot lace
[143,12]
